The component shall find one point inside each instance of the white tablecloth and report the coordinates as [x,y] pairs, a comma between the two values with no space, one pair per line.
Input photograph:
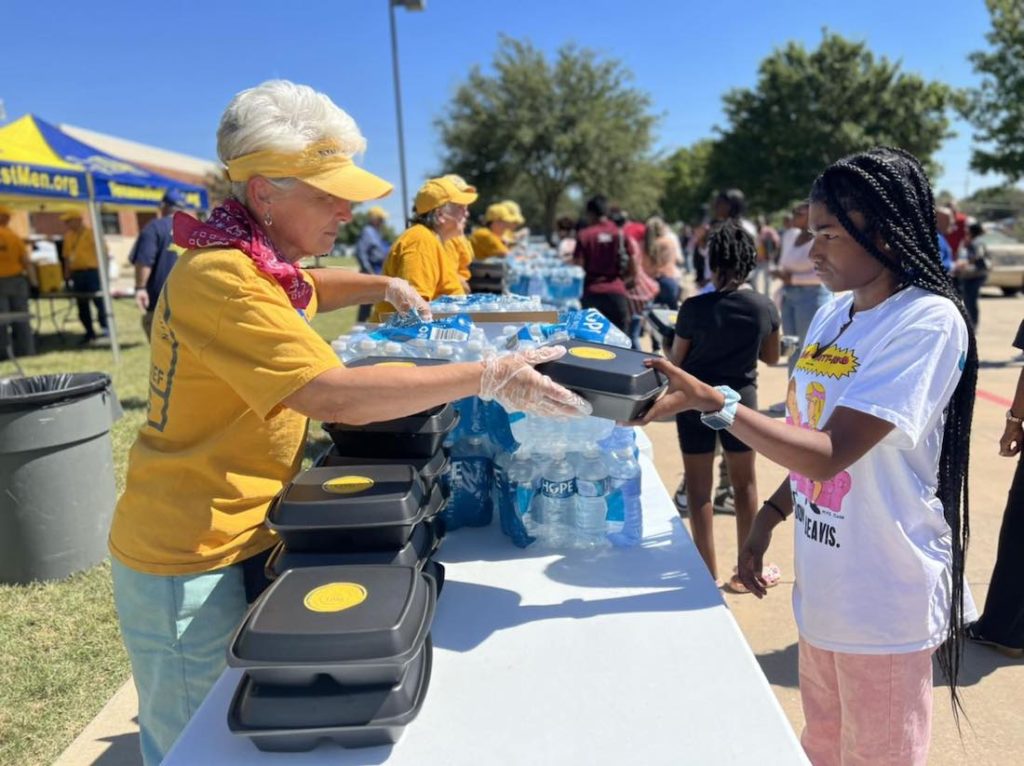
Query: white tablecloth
[626,657]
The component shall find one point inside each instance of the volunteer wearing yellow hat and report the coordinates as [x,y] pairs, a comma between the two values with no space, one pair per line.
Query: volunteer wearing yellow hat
[14,264]
[514,234]
[235,373]
[419,255]
[371,250]
[459,248]
[81,266]
[489,240]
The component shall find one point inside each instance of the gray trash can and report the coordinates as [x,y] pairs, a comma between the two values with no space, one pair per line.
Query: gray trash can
[57,489]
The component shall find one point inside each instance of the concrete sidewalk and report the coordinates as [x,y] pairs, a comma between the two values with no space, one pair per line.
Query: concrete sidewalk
[992,685]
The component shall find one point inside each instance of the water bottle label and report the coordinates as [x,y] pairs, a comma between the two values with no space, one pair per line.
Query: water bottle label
[616,508]
[524,496]
[591,487]
[558,490]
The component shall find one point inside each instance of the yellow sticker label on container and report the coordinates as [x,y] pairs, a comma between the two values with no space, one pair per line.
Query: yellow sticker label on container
[587,352]
[347,485]
[335,597]
[395,364]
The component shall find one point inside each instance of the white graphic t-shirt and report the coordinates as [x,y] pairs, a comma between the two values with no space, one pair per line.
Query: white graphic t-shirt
[873,550]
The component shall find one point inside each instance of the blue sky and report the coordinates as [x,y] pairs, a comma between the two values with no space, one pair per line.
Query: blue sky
[164,77]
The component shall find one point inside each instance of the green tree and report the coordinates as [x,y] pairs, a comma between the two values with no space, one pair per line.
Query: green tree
[996,107]
[810,108]
[549,129]
[687,183]
[995,203]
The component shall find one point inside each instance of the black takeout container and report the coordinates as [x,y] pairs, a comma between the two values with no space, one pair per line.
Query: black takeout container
[415,436]
[424,540]
[614,380]
[358,625]
[298,718]
[430,468]
[488,269]
[355,508]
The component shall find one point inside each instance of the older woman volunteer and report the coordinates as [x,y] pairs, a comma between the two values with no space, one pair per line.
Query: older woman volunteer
[419,256]
[236,371]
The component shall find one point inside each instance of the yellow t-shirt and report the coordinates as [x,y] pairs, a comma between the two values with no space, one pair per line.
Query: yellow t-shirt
[80,250]
[12,253]
[462,251]
[227,347]
[487,244]
[420,259]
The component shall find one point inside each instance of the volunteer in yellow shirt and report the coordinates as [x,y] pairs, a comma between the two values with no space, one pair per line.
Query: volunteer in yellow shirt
[81,266]
[489,240]
[236,372]
[419,255]
[460,251]
[14,263]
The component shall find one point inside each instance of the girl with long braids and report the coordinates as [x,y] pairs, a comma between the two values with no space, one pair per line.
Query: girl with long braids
[719,337]
[879,585]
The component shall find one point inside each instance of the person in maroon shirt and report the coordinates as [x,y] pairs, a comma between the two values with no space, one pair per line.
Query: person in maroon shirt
[599,250]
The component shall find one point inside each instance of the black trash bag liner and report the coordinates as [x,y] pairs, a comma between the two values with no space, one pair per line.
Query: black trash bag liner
[21,394]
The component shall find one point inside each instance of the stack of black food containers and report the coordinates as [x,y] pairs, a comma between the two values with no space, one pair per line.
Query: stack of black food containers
[338,647]
[488,276]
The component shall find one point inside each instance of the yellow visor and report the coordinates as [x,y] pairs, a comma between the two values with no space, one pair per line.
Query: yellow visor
[322,165]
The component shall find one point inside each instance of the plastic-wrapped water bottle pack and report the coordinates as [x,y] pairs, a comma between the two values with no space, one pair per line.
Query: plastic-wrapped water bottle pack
[557,484]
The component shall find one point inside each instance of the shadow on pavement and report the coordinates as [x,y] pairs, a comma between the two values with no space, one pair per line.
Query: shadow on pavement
[780,666]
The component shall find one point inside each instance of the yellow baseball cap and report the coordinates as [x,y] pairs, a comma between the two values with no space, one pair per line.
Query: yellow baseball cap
[70,215]
[322,164]
[499,211]
[378,212]
[516,215]
[439,191]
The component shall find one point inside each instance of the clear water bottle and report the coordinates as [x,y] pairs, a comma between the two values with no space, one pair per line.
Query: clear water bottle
[340,348]
[366,347]
[591,499]
[393,350]
[555,505]
[625,514]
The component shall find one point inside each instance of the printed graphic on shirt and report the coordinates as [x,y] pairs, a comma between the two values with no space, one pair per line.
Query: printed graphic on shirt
[163,362]
[817,505]
[833,362]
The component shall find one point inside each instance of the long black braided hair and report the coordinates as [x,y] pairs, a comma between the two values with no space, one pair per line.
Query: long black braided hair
[890,189]
[731,250]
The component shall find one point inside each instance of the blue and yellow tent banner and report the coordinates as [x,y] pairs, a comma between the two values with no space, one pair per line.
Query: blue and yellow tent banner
[39,159]
[31,169]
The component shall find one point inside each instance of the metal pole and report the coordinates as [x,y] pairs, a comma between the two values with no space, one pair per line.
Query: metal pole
[398,112]
[101,257]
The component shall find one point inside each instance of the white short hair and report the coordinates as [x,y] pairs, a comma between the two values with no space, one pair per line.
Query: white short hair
[283,116]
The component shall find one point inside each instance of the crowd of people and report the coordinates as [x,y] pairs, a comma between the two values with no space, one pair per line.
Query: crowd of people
[876,415]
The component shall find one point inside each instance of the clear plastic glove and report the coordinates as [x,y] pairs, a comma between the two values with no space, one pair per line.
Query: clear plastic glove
[404,298]
[515,385]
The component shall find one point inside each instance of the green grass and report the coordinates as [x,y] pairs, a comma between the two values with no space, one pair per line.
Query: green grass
[60,646]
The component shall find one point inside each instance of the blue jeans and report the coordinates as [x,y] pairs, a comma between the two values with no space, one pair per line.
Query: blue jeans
[799,305]
[176,629]
[668,292]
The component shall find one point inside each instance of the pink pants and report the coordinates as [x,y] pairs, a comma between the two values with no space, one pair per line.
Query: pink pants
[866,709]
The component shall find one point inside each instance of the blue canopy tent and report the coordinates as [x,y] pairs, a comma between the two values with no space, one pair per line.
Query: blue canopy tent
[40,162]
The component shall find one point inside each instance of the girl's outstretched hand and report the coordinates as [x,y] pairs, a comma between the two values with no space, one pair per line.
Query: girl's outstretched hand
[685,392]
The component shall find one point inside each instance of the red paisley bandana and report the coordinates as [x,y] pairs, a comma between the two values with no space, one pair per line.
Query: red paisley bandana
[231,225]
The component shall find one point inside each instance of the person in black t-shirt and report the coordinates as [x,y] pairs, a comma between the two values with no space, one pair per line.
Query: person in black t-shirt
[719,338]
